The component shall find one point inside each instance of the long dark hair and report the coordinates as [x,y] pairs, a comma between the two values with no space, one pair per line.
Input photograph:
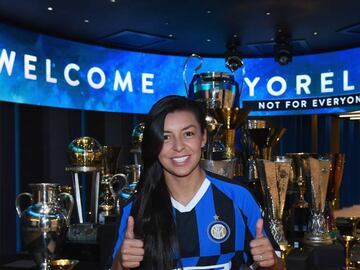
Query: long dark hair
[152,209]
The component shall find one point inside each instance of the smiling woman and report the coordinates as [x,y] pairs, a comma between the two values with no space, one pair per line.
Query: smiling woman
[182,216]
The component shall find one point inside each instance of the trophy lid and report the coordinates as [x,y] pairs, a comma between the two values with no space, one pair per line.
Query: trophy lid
[85,152]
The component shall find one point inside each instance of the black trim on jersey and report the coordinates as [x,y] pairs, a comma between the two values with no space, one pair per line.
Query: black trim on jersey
[224,208]
[188,239]
[237,260]
[232,181]
[208,260]
[247,240]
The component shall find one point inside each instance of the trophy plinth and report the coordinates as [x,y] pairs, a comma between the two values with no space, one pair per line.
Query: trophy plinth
[319,170]
[274,177]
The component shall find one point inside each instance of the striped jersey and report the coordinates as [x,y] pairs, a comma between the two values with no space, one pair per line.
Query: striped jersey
[214,229]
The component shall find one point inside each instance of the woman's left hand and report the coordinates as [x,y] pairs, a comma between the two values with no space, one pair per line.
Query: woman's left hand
[261,249]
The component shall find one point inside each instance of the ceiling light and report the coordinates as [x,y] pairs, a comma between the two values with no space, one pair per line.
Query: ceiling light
[208,11]
[112,1]
[349,115]
[171,35]
[208,40]
[50,8]
[86,21]
[355,118]
[315,33]
[268,13]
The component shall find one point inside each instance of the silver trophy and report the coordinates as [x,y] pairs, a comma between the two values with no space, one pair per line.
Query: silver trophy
[319,170]
[44,222]
[274,177]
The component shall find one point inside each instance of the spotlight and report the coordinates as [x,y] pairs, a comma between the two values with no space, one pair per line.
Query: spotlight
[233,59]
[282,49]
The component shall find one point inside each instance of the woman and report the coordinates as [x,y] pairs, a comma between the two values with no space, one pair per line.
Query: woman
[181,216]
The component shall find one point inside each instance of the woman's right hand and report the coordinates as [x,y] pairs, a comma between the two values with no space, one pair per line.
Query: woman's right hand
[131,252]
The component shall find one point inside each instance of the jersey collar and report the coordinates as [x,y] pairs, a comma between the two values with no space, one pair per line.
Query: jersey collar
[199,194]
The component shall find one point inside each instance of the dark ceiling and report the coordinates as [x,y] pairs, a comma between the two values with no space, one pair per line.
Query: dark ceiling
[202,27]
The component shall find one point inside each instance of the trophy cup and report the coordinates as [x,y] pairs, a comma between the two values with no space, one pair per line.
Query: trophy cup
[231,119]
[259,141]
[123,185]
[332,199]
[274,177]
[348,241]
[264,139]
[219,93]
[85,156]
[44,222]
[319,171]
[109,167]
[298,207]
[137,137]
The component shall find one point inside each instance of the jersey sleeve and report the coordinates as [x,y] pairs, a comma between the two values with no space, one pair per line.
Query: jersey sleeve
[122,228]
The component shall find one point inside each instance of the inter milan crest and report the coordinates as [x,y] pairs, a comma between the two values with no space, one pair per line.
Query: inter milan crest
[218,230]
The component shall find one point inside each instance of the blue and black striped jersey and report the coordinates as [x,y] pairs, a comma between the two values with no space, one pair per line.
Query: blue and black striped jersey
[215,228]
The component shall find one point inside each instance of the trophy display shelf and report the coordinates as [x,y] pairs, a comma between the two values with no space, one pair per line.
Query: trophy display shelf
[331,257]
[90,256]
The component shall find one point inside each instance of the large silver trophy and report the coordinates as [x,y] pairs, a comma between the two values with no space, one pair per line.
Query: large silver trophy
[274,177]
[220,95]
[44,222]
[319,170]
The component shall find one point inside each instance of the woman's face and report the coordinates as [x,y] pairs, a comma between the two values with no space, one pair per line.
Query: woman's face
[183,139]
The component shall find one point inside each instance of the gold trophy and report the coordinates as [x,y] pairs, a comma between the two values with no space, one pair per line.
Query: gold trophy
[274,177]
[336,174]
[108,169]
[319,170]
[85,156]
[264,139]
[348,241]
[63,264]
[231,119]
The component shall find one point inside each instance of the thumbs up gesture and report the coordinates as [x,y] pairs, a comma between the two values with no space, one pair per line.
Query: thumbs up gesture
[261,249]
[131,252]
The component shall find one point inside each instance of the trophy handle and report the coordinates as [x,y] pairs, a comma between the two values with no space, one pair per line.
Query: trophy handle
[196,69]
[114,179]
[17,202]
[71,205]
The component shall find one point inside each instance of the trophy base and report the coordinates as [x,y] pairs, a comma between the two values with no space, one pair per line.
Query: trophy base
[221,167]
[63,264]
[85,232]
[323,240]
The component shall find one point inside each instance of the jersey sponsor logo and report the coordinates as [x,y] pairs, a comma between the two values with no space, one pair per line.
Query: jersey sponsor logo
[218,230]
